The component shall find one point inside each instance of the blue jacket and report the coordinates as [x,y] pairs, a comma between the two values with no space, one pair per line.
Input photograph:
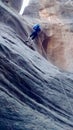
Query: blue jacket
[36,30]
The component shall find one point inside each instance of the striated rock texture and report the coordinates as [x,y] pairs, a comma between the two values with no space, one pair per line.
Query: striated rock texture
[56,19]
[16,4]
[34,94]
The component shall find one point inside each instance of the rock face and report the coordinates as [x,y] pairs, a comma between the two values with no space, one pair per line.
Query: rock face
[34,94]
[16,4]
[56,18]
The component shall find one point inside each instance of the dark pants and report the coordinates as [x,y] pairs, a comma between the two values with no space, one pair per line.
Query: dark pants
[33,35]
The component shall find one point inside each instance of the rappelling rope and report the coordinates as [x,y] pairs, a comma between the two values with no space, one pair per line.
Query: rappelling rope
[30,40]
[29,44]
[43,50]
[60,84]
[70,106]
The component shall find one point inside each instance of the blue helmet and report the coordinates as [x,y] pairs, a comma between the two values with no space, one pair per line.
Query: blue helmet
[37,27]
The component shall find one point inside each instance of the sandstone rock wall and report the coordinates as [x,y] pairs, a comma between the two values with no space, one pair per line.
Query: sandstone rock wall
[56,19]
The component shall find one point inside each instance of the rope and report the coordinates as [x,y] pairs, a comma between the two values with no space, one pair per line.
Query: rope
[44,52]
[66,95]
[60,84]
[59,78]
[29,39]
[41,47]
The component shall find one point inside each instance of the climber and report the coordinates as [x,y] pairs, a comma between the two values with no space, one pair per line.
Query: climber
[36,30]
[34,34]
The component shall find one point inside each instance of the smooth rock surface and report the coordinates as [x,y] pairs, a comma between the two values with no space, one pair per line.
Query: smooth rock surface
[34,94]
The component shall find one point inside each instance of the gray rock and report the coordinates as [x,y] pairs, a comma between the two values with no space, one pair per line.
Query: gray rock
[34,94]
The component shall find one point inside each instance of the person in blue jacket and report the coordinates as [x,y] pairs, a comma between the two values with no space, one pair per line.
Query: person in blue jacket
[36,30]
